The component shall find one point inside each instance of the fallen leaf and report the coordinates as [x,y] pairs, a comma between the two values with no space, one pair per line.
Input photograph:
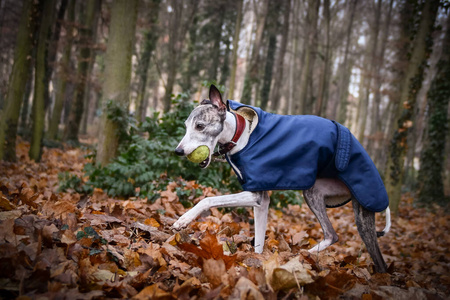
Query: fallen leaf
[153,292]
[246,289]
[292,274]
[215,271]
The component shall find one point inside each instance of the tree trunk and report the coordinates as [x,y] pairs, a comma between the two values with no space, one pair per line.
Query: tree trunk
[322,97]
[237,32]
[344,78]
[431,182]
[150,39]
[193,68]
[410,87]
[376,130]
[272,29]
[372,49]
[116,87]
[217,23]
[63,74]
[87,20]
[225,69]
[252,72]
[177,34]
[292,65]
[90,102]
[278,78]
[174,29]
[305,105]
[38,114]
[51,57]
[25,111]
[18,79]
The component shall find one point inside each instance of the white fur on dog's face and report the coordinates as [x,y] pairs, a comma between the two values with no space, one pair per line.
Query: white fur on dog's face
[203,127]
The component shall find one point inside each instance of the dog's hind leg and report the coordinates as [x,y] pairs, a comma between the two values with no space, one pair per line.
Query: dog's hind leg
[315,197]
[331,192]
[365,221]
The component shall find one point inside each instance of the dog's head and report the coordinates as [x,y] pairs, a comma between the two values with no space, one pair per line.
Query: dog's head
[203,126]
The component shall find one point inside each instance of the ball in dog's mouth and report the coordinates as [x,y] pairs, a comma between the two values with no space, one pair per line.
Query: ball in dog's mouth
[199,155]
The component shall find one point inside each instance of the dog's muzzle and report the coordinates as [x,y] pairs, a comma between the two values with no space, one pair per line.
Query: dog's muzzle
[179,151]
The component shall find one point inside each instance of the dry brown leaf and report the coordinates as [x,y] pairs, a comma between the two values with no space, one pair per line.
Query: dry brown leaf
[246,289]
[153,292]
[290,275]
[155,234]
[5,204]
[7,231]
[215,271]
[12,214]
[298,237]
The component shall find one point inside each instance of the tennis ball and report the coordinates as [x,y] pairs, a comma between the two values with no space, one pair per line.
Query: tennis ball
[199,154]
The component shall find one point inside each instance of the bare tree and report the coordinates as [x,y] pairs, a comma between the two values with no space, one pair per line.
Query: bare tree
[411,84]
[179,21]
[47,9]
[304,104]
[63,74]
[431,183]
[9,116]
[116,87]
[252,72]
[87,22]
[237,31]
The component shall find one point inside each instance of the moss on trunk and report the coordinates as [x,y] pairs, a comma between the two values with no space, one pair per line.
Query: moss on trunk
[116,87]
[18,79]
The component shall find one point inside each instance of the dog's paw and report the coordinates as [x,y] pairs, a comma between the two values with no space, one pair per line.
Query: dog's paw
[321,246]
[181,223]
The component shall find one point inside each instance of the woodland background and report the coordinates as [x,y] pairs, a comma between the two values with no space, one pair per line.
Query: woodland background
[114,81]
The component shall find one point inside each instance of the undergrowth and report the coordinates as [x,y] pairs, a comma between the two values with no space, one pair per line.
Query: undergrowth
[147,163]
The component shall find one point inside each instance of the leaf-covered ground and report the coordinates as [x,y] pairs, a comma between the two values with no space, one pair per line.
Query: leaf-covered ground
[67,246]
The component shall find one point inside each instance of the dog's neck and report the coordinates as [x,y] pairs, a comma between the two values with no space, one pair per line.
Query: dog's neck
[229,128]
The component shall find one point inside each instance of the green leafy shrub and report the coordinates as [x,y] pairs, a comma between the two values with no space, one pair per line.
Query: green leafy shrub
[147,162]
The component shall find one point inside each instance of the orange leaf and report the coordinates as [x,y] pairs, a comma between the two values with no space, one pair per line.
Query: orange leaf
[210,248]
[152,222]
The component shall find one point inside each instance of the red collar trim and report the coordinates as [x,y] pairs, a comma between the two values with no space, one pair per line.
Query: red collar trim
[240,126]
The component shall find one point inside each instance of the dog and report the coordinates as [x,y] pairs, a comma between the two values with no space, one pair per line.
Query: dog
[276,152]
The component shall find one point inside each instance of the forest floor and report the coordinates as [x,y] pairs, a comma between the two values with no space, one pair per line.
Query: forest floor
[69,246]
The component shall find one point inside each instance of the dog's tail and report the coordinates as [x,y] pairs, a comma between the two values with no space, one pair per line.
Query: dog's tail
[388,223]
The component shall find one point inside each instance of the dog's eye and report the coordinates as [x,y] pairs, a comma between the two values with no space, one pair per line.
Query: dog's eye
[199,127]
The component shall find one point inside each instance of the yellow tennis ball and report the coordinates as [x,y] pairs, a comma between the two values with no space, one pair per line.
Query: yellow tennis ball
[199,154]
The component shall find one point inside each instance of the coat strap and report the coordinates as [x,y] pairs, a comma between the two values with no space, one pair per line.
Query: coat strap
[344,144]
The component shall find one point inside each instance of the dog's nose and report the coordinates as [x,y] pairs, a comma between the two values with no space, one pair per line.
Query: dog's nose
[179,151]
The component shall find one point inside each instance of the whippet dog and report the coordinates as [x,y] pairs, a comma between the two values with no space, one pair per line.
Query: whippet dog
[326,178]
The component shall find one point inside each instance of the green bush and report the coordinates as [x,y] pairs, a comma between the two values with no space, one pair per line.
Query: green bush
[147,162]
[146,165]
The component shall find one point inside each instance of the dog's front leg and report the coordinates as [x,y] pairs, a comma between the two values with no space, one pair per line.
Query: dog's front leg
[249,199]
[261,212]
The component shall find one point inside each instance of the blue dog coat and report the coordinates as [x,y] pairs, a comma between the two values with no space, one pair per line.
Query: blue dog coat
[290,152]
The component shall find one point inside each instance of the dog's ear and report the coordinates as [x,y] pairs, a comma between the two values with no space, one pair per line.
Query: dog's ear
[216,98]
